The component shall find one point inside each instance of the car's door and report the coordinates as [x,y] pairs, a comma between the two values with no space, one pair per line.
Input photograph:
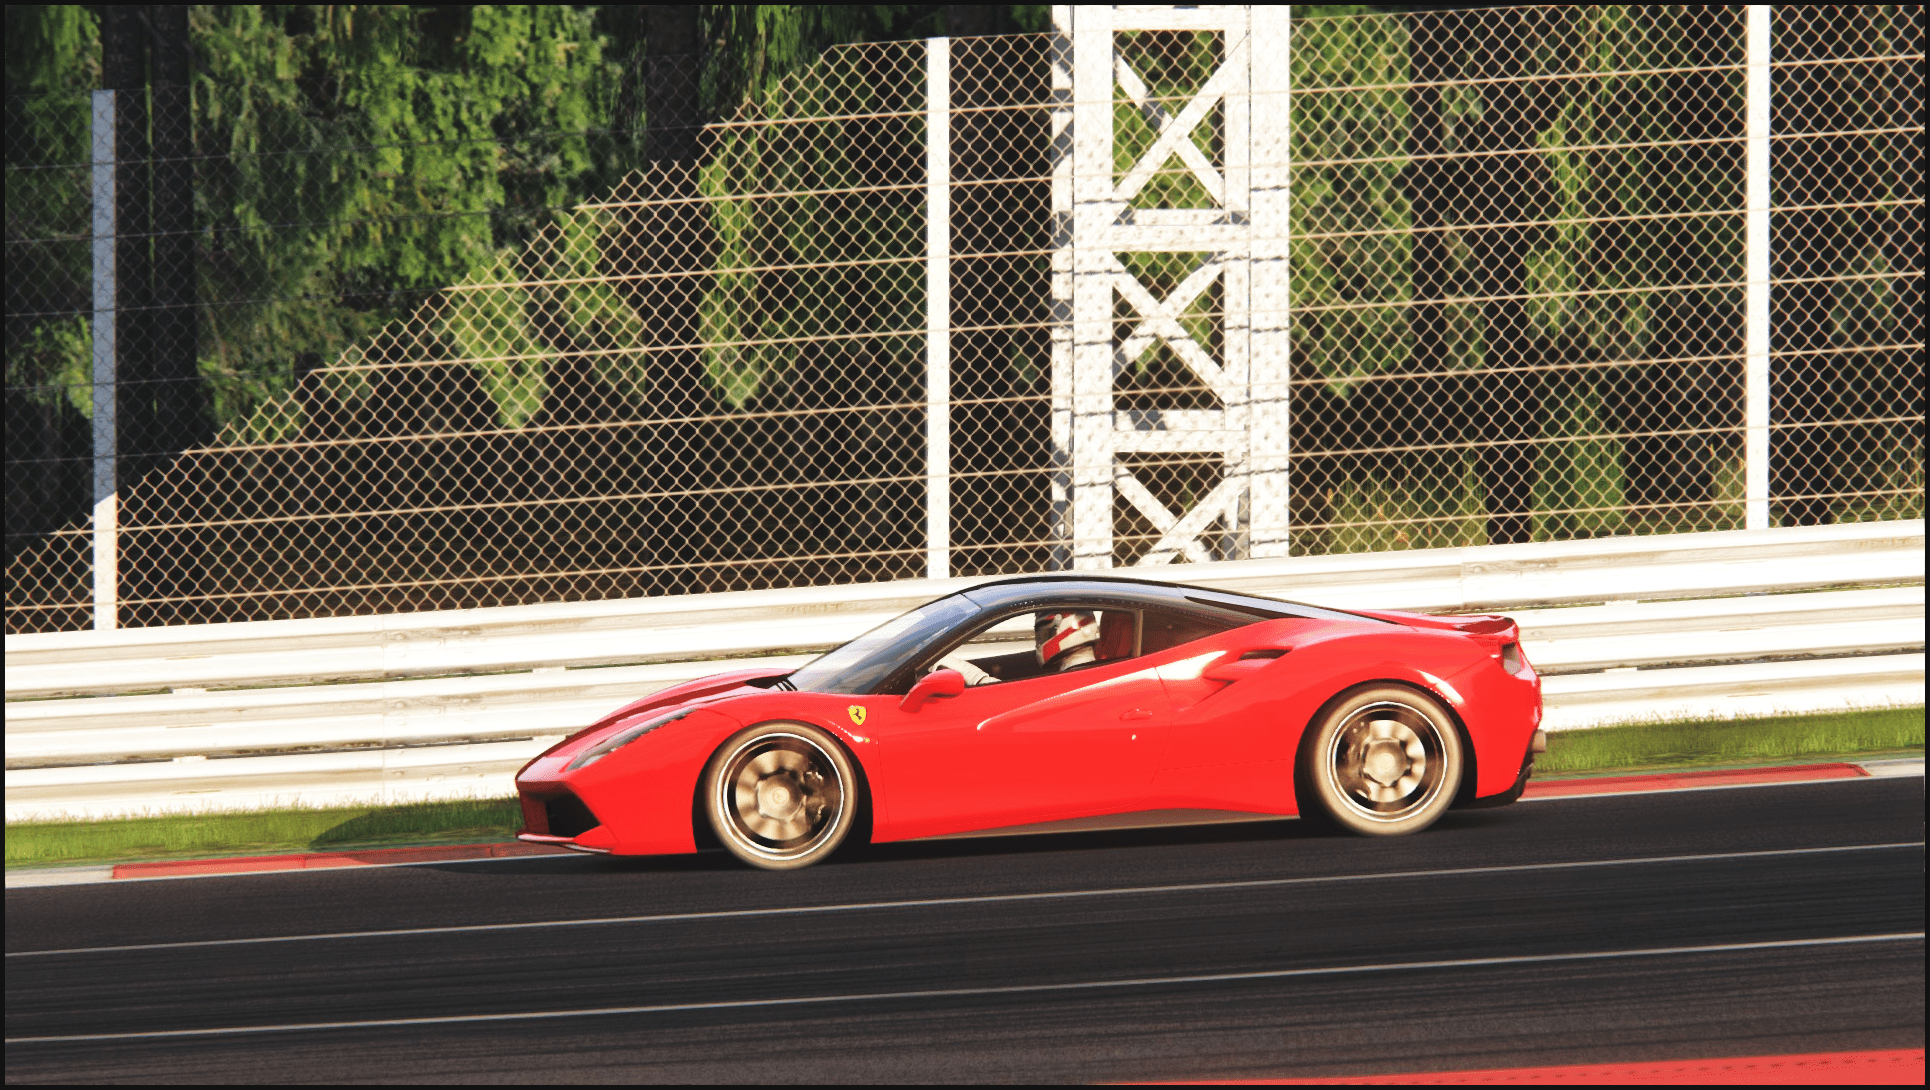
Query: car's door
[1028,749]
[1217,755]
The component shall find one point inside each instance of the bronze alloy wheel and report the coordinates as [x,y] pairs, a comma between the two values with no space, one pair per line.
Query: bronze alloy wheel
[781,795]
[1384,761]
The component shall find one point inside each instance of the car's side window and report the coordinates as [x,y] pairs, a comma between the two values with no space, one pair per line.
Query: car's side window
[992,654]
[1009,649]
[1167,630]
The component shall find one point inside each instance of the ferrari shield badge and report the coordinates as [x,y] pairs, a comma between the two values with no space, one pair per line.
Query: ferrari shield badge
[856,712]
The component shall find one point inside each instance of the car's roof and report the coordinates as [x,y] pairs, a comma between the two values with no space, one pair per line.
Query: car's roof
[1020,590]
[881,659]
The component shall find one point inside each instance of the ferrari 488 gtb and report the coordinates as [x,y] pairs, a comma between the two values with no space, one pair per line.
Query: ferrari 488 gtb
[1058,701]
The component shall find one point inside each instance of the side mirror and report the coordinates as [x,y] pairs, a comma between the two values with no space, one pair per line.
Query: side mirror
[943,681]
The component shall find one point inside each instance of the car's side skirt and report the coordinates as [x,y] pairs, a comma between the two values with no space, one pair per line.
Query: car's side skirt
[1143,819]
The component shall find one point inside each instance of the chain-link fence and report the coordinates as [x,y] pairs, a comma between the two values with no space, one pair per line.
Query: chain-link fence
[1520,272]
[1516,246]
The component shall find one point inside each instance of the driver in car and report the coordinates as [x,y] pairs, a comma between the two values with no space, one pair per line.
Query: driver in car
[1065,640]
[1062,641]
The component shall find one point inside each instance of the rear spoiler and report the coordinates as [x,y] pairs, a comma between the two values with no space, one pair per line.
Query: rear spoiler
[1491,625]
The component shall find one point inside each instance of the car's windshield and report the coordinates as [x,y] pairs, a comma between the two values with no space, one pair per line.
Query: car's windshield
[864,663]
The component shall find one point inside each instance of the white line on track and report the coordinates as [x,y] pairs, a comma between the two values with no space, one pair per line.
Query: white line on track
[937,902]
[1009,989]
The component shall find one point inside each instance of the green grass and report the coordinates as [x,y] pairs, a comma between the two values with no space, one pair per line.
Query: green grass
[1605,750]
[262,832]
[1711,742]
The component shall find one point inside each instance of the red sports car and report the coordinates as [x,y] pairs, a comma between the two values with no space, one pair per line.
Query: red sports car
[1058,701]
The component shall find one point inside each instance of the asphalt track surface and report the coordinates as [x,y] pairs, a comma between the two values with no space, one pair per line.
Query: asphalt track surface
[1694,924]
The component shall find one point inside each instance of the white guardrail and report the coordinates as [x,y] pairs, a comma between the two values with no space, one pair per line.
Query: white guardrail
[449,704]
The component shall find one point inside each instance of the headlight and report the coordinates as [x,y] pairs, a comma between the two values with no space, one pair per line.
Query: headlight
[620,739]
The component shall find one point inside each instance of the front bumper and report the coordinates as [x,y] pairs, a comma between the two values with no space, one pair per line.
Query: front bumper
[557,817]
[574,844]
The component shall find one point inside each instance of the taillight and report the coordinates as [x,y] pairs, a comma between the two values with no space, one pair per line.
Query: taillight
[1511,659]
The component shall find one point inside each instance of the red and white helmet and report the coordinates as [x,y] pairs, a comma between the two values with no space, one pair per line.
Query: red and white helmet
[1065,639]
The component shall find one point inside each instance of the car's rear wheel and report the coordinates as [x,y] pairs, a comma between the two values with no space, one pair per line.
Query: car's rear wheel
[1383,761]
[781,795]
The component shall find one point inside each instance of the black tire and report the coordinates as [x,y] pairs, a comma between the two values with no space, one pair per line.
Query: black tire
[1382,761]
[781,795]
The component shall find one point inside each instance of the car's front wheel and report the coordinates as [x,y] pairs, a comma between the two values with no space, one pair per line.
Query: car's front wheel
[781,795]
[1383,761]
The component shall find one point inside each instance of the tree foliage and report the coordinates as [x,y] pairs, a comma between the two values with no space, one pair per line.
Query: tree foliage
[360,158]
[1349,218]
[352,160]
[53,61]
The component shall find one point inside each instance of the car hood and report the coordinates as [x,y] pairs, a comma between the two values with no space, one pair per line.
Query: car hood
[703,690]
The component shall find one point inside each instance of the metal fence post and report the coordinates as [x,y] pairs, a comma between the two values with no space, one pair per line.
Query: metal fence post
[1755,246]
[1093,210]
[106,388]
[1271,344]
[938,304]
[1060,305]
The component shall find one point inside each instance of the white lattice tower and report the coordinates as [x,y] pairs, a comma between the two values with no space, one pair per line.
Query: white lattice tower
[1241,228]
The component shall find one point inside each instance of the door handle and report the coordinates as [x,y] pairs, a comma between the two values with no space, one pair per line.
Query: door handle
[1136,713]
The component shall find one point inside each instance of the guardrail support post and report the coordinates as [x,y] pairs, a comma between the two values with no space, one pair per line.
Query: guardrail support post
[106,388]
[938,313]
[1755,245]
